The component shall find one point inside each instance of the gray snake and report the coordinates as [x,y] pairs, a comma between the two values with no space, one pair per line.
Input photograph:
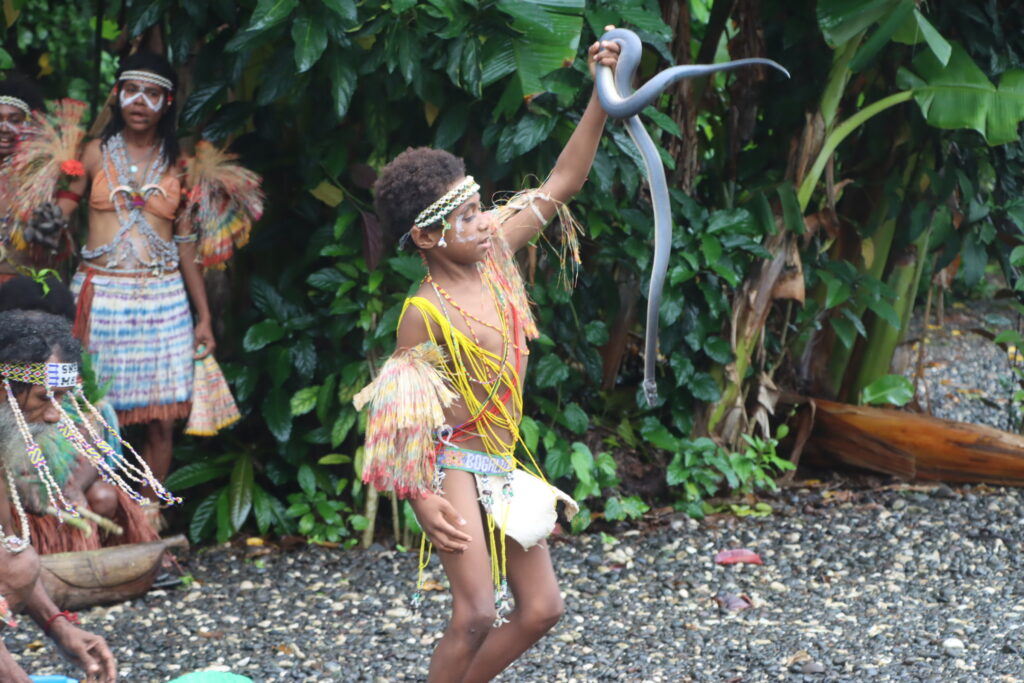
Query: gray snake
[620,102]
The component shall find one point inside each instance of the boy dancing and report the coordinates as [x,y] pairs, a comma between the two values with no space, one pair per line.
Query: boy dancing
[445,409]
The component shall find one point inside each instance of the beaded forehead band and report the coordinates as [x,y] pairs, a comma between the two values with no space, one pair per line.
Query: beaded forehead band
[147,77]
[51,375]
[16,102]
[447,203]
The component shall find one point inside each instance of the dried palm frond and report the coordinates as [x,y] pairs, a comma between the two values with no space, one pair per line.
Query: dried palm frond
[224,200]
[48,151]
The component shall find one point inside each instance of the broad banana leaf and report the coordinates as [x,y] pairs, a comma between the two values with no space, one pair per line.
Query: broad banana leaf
[959,95]
[898,20]
[545,36]
[841,20]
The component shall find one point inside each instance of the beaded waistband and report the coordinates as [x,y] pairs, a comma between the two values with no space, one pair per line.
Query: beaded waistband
[86,268]
[455,458]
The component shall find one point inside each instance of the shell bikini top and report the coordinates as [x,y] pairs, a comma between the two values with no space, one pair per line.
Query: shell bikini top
[160,203]
[158,193]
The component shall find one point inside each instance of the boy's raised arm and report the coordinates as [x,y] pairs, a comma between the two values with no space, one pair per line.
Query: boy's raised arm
[573,164]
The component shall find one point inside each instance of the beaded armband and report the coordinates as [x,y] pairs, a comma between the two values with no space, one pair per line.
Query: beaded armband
[187,239]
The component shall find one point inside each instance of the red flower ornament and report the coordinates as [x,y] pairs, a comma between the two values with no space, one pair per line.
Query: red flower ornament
[72,167]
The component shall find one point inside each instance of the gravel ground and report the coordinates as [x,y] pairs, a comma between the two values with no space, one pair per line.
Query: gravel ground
[885,584]
[967,377]
[859,583]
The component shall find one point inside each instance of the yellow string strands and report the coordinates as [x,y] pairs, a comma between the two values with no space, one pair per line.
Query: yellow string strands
[489,384]
[495,416]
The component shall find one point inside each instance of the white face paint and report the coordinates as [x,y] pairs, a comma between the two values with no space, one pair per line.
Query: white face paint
[13,127]
[127,99]
[461,234]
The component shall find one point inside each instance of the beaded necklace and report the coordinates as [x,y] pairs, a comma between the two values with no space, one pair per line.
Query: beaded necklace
[129,199]
[506,343]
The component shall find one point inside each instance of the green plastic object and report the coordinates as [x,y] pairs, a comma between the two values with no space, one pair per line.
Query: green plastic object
[212,677]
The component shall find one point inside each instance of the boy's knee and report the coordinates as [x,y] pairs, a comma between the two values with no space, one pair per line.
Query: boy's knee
[473,623]
[541,617]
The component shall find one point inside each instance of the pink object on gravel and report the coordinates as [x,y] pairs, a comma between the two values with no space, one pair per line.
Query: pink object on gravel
[737,556]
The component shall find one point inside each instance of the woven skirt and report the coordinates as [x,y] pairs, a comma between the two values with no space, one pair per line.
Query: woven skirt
[138,328]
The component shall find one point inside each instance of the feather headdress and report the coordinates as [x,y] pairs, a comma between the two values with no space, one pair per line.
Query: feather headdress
[224,200]
[48,152]
[406,406]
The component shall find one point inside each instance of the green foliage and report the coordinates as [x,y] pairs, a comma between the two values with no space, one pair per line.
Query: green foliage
[894,390]
[701,466]
[318,95]
[323,516]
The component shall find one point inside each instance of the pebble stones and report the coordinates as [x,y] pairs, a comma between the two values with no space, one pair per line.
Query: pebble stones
[849,591]
[967,377]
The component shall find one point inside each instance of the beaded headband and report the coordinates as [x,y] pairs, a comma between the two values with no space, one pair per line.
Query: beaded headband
[447,203]
[52,375]
[147,77]
[16,102]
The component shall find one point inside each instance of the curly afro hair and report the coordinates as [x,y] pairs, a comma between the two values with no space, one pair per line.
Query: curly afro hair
[413,180]
[17,84]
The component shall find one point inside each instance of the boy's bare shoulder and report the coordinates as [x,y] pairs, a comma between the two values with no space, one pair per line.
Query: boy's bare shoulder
[412,330]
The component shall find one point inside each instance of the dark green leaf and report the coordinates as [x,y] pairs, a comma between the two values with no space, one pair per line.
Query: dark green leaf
[142,14]
[881,36]
[304,400]
[896,390]
[303,356]
[704,387]
[307,480]
[278,415]
[451,125]
[310,37]
[262,509]
[200,101]
[279,365]
[261,334]
[718,350]
[342,426]
[844,330]
[530,433]
[194,474]
[269,13]
[658,435]
[576,419]
[201,524]
[240,491]
[551,371]
[346,9]
[792,217]
[596,332]
[326,279]
[343,81]
[841,20]
[884,310]
[224,529]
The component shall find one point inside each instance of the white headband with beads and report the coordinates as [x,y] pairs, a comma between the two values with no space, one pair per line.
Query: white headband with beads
[147,77]
[16,102]
[447,203]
